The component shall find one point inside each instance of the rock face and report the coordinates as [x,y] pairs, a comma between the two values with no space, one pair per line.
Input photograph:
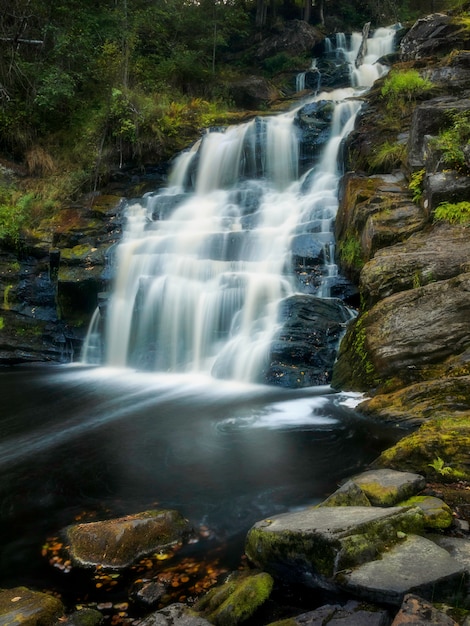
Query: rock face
[253,92]
[117,543]
[431,35]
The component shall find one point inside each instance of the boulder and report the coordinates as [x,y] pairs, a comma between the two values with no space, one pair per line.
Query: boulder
[406,335]
[431,35]
[21,606]
[387,487]
[348,494]
[311,546]
[416,611]
[117,543]
[237,599]
[416,565]
[458,548]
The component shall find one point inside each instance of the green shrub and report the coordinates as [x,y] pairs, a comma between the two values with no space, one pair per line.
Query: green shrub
[458,213]
[452,141]
[402,88]
[388,155]
[14,213]
[416,184]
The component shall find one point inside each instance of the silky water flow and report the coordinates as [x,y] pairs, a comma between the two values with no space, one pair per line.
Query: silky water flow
[204,263]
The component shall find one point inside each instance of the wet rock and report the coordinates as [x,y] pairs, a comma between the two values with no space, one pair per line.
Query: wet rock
[416,565]
[458,548]
[237,599]
[310,547]
[117,543]
[353,613]
[314,122]
[21,606]
[148,593]
[436,512]
[174,615]
[416,611]
[303,352]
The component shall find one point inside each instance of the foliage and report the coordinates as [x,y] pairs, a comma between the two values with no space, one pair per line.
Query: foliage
[454,213]
[416,184]
[14,212]
[282,62]
[440,467]
[402,88]
[388,156]
[454,142]
[350,251]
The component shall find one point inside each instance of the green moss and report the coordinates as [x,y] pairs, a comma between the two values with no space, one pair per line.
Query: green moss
[436,512]
[2,323]
[380,495]
[237,599]
[402,88]
[447,438]
[350,252]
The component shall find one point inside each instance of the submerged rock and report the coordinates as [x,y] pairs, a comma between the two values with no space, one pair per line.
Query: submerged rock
[174,615]
[117,543]
[21,606]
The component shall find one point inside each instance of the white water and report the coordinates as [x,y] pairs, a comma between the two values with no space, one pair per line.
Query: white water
[199,291]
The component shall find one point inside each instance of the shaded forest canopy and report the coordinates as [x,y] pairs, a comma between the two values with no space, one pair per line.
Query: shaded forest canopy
[86,84]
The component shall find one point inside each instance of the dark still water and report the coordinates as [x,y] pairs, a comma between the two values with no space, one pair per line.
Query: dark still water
[77,439]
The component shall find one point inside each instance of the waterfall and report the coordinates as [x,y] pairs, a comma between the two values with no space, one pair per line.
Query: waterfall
[204,264]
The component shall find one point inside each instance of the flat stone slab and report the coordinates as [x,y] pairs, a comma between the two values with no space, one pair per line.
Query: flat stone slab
[310,546]
[417,566]
[387,487]
[458,548]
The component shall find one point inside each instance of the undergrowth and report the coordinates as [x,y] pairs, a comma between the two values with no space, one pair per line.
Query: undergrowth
[454,213]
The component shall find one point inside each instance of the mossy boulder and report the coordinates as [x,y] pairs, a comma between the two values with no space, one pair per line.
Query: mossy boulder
[438,449]
[311,546]
[21,606]
[437,514]
[237,599]
[349,494]
[117,543]
[83,617]
[388,487]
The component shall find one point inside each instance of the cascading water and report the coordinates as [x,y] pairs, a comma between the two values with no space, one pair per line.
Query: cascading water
[204,264]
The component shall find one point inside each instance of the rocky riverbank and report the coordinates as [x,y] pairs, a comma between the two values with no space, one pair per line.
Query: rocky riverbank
[381,550]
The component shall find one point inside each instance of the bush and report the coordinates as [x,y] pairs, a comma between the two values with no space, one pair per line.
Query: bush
[402,88]
[454,213]
[454,142]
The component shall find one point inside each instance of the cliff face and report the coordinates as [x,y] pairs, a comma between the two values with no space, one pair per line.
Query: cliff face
[409,347]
